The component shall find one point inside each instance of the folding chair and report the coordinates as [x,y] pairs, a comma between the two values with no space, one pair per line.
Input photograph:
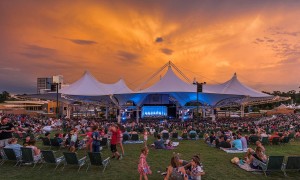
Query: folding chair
[285,140]
[55,143]
[175,135]
[11,156]
[275,141]
[28,156]
[274,163]
[46,142]
[165,136]
[49,158]
[125,137]
[292,163]
[134,137]
[193,136]
[71,159]
[265,141]
[95,159]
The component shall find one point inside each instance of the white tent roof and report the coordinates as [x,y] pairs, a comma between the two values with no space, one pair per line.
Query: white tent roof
[233,86]
[119,87]
[87,85]
[170,82]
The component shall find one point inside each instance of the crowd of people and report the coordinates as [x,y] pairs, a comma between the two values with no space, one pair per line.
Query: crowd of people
[225,132]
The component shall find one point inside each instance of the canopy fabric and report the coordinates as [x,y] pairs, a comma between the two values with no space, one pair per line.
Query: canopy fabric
[170,82]
[119,87]
[87,85]
[234,87]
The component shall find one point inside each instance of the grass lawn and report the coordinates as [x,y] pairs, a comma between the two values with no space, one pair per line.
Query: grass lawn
[216,164]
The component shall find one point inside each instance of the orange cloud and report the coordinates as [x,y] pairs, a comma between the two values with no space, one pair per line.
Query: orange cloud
[132,39]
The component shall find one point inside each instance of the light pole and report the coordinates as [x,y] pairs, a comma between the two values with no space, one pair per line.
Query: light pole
[57,104]
[199,89]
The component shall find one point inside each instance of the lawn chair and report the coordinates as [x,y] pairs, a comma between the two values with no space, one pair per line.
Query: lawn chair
[184,136]
[55,143]
[175,135]
[201,135]
[292,163]
[275,141]
[96,160]
[265,141]
[71,159]
[126,137]
[193,136]
[11,156]
[46,142]
[2,158]
[49,158]
[285,140]
[134,137]
[274,163]
[28,157]
[165,136]
[291,136]
[253,139]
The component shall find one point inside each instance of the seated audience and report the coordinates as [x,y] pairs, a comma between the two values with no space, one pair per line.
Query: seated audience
[258,155]
[222,143]
[244,141]
[196,170]
[175,171]
[159,143]
[12,144]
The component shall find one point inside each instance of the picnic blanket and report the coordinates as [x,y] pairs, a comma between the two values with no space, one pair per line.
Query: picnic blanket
[133,142]
[174,144]
[247,167]
[234,151]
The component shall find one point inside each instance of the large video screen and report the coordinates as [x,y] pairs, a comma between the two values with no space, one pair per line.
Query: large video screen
[154,111]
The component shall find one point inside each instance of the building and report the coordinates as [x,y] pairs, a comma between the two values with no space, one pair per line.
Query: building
[49,84]
[43,84]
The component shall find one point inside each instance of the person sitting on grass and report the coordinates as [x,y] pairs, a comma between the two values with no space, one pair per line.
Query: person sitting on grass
[243,140]
[222,143]
[175,171]
[237,144]
[259,155]
[251,151]
[159,143]
[196,169]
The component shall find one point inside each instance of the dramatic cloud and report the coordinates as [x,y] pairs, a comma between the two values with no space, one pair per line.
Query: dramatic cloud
[127,57]
[82,42]
[166,51]
[207,40]
[159,40]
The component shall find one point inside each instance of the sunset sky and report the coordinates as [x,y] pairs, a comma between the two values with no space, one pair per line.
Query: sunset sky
[209,40]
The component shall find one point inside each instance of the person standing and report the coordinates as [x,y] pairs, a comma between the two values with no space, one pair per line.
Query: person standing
[120,138]
[96,140]
[113,142]
[143,167]
[6,129]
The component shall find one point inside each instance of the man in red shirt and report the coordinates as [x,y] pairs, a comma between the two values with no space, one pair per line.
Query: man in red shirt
[114,141]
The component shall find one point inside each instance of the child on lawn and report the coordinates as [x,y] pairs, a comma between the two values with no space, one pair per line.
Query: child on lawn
[143,167]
